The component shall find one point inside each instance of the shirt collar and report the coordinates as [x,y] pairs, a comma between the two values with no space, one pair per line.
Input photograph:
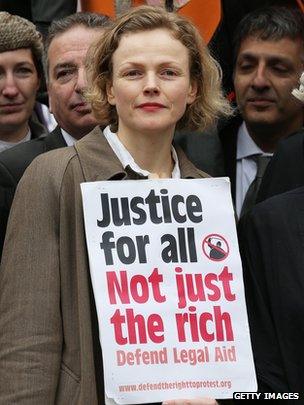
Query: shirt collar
[245,144]
[69,140]
[28,136]
[126,158]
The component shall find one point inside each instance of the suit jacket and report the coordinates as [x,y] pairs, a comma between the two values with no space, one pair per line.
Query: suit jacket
[212,152]
[49,346]
[286,169]
[228,136]
[13,163]
[203,149]
[36,127]
[271,244]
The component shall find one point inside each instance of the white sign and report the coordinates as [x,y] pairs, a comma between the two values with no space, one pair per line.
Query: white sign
[168,286]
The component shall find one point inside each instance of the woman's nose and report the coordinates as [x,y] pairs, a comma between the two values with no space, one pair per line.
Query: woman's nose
[151,86]
[8,86]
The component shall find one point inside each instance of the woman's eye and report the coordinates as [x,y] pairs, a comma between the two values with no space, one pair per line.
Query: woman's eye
[24,71]
[169,73]
[132,73]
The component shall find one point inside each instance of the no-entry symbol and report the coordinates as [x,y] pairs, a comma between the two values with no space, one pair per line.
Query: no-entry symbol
[215,247]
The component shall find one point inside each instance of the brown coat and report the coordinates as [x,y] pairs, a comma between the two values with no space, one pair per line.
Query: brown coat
[49,348]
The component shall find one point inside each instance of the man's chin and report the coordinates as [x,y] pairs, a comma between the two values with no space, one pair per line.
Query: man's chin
[85,120]
[265,117]
[263,126]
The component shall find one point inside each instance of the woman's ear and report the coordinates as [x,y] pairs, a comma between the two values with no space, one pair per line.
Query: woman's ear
[192,92]
[110,94]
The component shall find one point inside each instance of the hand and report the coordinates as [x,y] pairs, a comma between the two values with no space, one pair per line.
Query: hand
[201,401]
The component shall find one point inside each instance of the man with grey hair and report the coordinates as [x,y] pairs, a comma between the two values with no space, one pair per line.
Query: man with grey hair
[20,75]
[66,48]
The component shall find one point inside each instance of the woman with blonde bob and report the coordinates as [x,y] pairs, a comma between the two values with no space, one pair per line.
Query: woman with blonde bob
[150,74]
[204,72]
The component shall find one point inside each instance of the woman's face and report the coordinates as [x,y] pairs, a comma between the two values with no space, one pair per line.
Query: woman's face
[151,84]
[19,83]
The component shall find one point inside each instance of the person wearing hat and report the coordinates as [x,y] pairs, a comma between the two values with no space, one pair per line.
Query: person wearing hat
[20,75]
[66,47]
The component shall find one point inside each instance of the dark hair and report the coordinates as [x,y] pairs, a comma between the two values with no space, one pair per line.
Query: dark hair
[88,20]
[269,23]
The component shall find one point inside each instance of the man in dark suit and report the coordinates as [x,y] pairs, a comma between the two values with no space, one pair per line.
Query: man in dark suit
[268,61]
[271,245]
[66,47]
[286,169]
[269,52]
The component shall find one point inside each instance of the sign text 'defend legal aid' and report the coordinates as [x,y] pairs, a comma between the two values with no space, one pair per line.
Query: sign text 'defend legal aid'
[168,287]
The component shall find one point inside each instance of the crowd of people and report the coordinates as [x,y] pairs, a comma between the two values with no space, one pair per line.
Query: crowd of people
[141,97]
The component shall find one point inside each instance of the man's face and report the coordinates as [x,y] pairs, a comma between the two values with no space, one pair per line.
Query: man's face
[67,80]
[19,83]
[266,72]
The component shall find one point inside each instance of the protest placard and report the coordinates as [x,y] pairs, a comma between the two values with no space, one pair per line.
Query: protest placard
[168,287]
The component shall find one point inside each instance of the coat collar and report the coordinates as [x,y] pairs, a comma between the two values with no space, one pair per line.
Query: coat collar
[55,139]
[37,129]
[99,162]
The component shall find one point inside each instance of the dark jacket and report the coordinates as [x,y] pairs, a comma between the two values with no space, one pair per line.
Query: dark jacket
[271,245]
[203,149]
[36,127]
[13,163]
[228,136]
[286,169]
[214,153]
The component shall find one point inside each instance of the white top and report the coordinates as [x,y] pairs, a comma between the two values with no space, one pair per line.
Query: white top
[47,118]
[7,145]
[127,160]
[246,167]
[68,138]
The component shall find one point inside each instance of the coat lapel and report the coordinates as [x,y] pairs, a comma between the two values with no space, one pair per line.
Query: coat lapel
[54,140]
[99,162]
[228,138]
[97,159]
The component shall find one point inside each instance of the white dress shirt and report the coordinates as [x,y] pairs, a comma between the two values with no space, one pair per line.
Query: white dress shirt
[69,140]
[126,159]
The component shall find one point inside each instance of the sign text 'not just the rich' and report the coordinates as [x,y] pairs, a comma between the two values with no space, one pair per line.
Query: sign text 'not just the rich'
[167,283]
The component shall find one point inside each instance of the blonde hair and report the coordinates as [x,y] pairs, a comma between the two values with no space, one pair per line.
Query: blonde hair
[209,104]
